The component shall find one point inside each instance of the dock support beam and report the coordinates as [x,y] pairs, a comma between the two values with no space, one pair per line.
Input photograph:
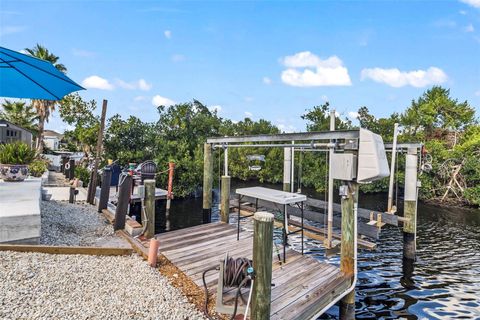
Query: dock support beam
[105,190]
[410,205]
[349,203]
[262,264]
[123,202]
[225,199]
[287,168]
[207,182]
[149,208]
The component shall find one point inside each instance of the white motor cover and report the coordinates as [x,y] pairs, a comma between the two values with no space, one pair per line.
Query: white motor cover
[372,158]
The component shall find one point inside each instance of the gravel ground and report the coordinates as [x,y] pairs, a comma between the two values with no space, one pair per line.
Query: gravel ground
[43,286]
[65,224]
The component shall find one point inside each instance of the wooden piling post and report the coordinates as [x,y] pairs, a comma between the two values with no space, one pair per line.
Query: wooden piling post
[105,191]
[149,207]
[71,171]
[207,182]
[93,181]
[287,168]
[123,202]
[262,264]
[225,199]
[410,204]
[349,203]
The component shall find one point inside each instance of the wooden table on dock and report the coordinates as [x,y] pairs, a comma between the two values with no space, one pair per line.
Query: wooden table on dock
[277,197]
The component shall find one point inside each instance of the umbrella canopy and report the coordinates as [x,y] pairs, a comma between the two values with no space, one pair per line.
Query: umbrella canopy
[24,76]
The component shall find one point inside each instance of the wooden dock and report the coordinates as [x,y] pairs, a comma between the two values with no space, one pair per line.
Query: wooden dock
[301,287]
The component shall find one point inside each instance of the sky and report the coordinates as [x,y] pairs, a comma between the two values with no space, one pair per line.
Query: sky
[257,59]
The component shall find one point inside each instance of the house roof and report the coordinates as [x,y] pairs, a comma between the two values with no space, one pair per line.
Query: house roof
[52,134]
[12,125]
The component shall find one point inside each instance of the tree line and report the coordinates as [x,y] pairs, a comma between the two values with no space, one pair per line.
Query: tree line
[448,128]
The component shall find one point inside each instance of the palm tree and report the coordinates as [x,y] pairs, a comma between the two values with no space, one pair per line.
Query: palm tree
[44,107]
[19,113]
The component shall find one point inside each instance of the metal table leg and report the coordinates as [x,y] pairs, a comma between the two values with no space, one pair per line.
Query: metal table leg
[285,233]
[238,218]
[302,227]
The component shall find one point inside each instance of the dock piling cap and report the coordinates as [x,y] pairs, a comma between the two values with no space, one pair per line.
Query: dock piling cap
[263,216]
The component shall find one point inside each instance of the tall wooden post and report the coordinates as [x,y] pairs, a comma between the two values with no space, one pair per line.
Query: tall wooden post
[171,168]
[287,168]
[225,199]
[71,171]
[410,204]
[105,191]
[123,202]
[149,207]
[93,181]
[207,182]
[262,264]
[349,203]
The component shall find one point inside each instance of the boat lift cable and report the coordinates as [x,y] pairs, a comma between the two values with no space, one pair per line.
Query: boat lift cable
[238,272]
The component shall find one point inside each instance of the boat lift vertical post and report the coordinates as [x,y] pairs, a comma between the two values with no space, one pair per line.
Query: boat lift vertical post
[392,169]
[287,168]
[410,204]
[225,189]
[328,242]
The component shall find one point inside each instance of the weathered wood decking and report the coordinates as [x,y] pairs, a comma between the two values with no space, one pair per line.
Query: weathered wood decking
[301,287]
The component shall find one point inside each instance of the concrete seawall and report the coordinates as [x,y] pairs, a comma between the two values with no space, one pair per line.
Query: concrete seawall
[20,211]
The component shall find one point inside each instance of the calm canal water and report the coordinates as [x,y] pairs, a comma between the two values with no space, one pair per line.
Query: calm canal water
[444,282]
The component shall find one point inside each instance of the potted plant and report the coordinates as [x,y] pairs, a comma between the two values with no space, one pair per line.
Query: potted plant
[14,161]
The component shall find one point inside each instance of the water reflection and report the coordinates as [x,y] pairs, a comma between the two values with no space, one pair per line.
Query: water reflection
[443,282]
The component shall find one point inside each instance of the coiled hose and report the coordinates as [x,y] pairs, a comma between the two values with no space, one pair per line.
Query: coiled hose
[234,275]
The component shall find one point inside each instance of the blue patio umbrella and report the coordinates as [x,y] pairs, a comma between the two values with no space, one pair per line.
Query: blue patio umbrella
[24,76]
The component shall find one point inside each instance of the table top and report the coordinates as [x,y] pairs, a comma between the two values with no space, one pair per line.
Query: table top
[272,195]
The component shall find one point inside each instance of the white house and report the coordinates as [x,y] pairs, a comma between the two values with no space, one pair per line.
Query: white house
[52,139]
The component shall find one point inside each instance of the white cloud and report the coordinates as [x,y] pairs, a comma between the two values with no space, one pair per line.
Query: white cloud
[396,78]
[140,84]
[143,85]
[162,101]
[216,109]
[305,69]
[473,3]
[139,98]
[469,28]
[283,126]
[167,34]
[248,114]
[353,114]
[178,57]
[96,82]
[6,30]
[83,53]
[267,80]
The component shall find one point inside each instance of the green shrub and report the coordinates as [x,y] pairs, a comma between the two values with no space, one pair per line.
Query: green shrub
[472,195]
[82,174]
[37,167]
[16,153]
